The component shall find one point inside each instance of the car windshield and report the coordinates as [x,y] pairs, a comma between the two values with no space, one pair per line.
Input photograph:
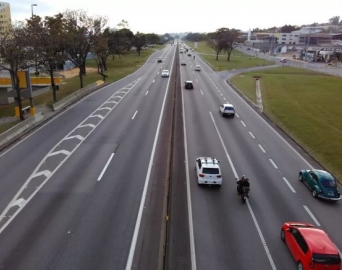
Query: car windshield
[326,258]
[211,170]
[328,182]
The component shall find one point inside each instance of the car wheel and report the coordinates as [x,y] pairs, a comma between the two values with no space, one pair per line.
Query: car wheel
[300,266]
[300,177]
[282,235]
[233,115]
[314,193]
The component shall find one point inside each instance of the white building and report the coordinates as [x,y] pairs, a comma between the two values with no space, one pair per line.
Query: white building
[288,38]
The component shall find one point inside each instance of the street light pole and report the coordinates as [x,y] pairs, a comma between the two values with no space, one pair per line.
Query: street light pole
[33,5]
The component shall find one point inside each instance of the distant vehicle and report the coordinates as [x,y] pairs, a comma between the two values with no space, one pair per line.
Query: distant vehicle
[227,109]
[159,60]
[321,183]
[310,247]
[165,73]
[189,85]
[283,60]
[180,51]
[189,54]
[183,63]
[208,171]
[198,68]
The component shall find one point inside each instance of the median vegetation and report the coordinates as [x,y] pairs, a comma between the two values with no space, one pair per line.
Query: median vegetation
[306,105]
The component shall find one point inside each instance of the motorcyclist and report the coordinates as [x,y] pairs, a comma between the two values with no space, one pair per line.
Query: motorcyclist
[243,182]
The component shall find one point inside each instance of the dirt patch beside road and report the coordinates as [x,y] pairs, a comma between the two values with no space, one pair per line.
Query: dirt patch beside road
[75,71]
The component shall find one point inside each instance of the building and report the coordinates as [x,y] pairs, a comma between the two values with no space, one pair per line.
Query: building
[288,38]
[5,18]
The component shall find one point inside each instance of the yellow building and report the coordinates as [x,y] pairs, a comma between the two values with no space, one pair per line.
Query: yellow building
[5,18]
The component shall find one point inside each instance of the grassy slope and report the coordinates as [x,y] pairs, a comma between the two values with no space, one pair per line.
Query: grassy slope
[307,105]
[238,60]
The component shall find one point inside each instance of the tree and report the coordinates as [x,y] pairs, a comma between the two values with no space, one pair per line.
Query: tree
[229,38]
[81,32]
[215,43]
[47,40]
[152,38]
[139,41]
[15,57]
[288,28]
[101,51]
[334,20]
[119,41]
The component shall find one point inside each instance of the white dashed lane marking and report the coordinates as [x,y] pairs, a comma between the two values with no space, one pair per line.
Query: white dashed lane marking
[262,149]
[250,133]
[105,167]
[146,93]
[311,215]
[243,123]
[202,92]
[274,165]
[287,182]
[134,114]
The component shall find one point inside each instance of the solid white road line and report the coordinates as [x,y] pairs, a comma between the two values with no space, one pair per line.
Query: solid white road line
[250,133]
[311,215]
[274,165]
[262,149]
[202,92]
[147,180]
[134,114]
[288,183]
[249,207]
[243,123]
[105,167]
[190,219]
[146,93]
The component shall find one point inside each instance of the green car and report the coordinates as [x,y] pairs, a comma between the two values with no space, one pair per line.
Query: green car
[321,183]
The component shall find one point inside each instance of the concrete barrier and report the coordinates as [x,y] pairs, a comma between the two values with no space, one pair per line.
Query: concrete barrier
[76,95]
[13,133]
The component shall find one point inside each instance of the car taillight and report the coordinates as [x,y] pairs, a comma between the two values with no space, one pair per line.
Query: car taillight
[201,175]
[218,176]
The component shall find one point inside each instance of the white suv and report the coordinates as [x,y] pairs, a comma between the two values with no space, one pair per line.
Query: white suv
[198,68]
[208,171]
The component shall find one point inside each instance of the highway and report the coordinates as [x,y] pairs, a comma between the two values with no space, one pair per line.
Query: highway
[73,192]
[226,233]
[104,183]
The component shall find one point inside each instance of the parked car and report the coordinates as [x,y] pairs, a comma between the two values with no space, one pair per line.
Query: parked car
[208,171]
[227,109]
[321,183]
[189,85]
[310,247]
[283,60]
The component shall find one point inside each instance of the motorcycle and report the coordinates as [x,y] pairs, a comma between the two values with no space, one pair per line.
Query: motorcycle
[244,194]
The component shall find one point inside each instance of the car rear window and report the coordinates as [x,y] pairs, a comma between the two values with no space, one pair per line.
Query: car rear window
[229,108]
[328,183]
[326,259]
[211,170]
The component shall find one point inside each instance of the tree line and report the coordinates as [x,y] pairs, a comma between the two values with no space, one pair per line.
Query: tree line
[70,35]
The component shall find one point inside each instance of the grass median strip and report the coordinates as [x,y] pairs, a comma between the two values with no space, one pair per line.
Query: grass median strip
[306,104]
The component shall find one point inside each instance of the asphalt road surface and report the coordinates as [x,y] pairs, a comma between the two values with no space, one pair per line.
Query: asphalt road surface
[110,183]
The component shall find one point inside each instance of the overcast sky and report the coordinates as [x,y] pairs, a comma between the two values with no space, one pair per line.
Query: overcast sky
[174,16]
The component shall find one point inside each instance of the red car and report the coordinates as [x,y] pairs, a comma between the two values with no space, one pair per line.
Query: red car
[310,247]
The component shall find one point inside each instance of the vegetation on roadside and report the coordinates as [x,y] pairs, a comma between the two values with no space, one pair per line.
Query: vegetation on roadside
[238,60]
[117,68]
[306,105]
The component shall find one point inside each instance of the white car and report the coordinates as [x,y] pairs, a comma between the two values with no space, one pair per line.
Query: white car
[227,109]
[165,73]
[208,171]
[198,68]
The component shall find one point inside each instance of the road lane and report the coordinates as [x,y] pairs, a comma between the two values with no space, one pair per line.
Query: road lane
[77,222]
